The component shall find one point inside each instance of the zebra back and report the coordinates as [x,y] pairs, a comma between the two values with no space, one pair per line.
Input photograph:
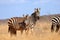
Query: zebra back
[14,22]
[56,20]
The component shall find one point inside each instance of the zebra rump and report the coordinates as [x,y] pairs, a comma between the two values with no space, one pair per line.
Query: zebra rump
[55,23]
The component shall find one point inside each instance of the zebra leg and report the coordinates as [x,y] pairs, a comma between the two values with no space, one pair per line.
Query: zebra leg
[57,28]
[52,28]
[22,31]
[12,31]
[9,29]
[27,31]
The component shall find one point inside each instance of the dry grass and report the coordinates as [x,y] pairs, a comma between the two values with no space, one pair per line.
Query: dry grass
[41,32]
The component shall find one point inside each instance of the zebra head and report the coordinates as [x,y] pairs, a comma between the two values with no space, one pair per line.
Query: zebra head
[35,15]
[37,11]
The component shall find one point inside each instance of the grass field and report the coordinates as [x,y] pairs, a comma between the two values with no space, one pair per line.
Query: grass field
[41,31]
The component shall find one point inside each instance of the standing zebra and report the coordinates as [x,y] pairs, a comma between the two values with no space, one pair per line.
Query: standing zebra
[35,15]
[31,20]
[13,24]
[55,23]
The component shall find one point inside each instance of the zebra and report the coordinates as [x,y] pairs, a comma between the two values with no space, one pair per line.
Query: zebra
[23,23]
[13,24]
[55,23]
[32,19]
[35,15]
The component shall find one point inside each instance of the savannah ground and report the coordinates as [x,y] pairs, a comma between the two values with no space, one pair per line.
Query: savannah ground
[41,31]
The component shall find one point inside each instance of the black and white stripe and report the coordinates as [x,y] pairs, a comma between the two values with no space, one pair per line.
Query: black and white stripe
[56,20]
[55,23]
[33,18]
[35,15]
[11,21]
[13,24]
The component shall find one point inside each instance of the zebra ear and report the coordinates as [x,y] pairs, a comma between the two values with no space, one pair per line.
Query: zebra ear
[39,8]
[23,15]
[35,8]
[27,16]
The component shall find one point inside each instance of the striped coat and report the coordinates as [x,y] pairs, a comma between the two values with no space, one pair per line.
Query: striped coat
[35,15]
[55,23]
[13,24]
[31,20]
